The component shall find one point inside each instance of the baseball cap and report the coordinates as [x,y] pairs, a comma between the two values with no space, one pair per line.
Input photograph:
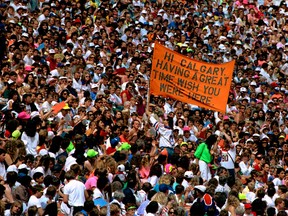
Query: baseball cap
[121,168]
[16,134]
[183,143]
[124,146]
[23,166]
[12,168]
[91,153]
[188,174]
[202,188]
[186,128]
[23,115]
[247,205]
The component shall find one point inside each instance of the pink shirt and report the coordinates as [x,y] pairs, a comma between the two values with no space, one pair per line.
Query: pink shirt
[91,182]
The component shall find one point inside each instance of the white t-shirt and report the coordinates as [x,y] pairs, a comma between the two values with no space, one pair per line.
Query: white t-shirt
[34,201]
[76,193]
[30,143]
[46,107]
[228,158]
[69,162]
[277,182]
[153,180]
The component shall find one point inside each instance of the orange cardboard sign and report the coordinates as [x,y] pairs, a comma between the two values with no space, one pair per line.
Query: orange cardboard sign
[203,84]
[56,108]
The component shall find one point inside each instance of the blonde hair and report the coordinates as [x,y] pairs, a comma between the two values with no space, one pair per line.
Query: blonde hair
[165,179]
[106,162]
[160,198]
[232,201]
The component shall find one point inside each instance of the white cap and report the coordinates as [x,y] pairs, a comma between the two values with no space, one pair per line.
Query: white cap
[52,51]
[243,89]
[39,169]
[54,73]
[43,152]
[256,135]
[25,35]
[50,80]
[218,133]
[222,47]
[121,168]
[50,135]
[94,85]
[222,38]
[91,44]
[201,188]
[63,77]
[253,83]
[12,168]
[238,42]
[10,81]
[34,114]
[176,16]
[80,38]
[188,174]
[249,140]
[23,166]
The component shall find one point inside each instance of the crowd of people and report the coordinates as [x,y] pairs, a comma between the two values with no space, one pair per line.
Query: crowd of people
[81,135]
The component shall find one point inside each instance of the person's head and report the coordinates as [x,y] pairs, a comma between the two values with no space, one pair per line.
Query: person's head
[211,140]
[16,208]
[197,209]
[152,207]
[37,190]
[32,210]
[69,175]
[51,192]
[118,195]
[38,177]
[115,210]
[2,155]
[280,173]
[130,209]
[279,203]
[155,170]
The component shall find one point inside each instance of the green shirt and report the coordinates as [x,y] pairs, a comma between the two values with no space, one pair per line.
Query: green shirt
[203,153]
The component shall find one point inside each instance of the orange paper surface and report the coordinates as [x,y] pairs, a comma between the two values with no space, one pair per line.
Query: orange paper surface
[203,84]
[56,108]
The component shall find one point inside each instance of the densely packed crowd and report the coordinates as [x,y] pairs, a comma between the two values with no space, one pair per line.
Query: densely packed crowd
[80,136]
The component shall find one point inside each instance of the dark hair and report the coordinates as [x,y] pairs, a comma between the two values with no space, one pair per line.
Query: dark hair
[37,188]
[271,211]
[37,175]
[151,193]
[30,129]
[156,170]
[211,140]
[11,178]
[152,207]
[197,209]
[102,182]
[259,206]
[179,189]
